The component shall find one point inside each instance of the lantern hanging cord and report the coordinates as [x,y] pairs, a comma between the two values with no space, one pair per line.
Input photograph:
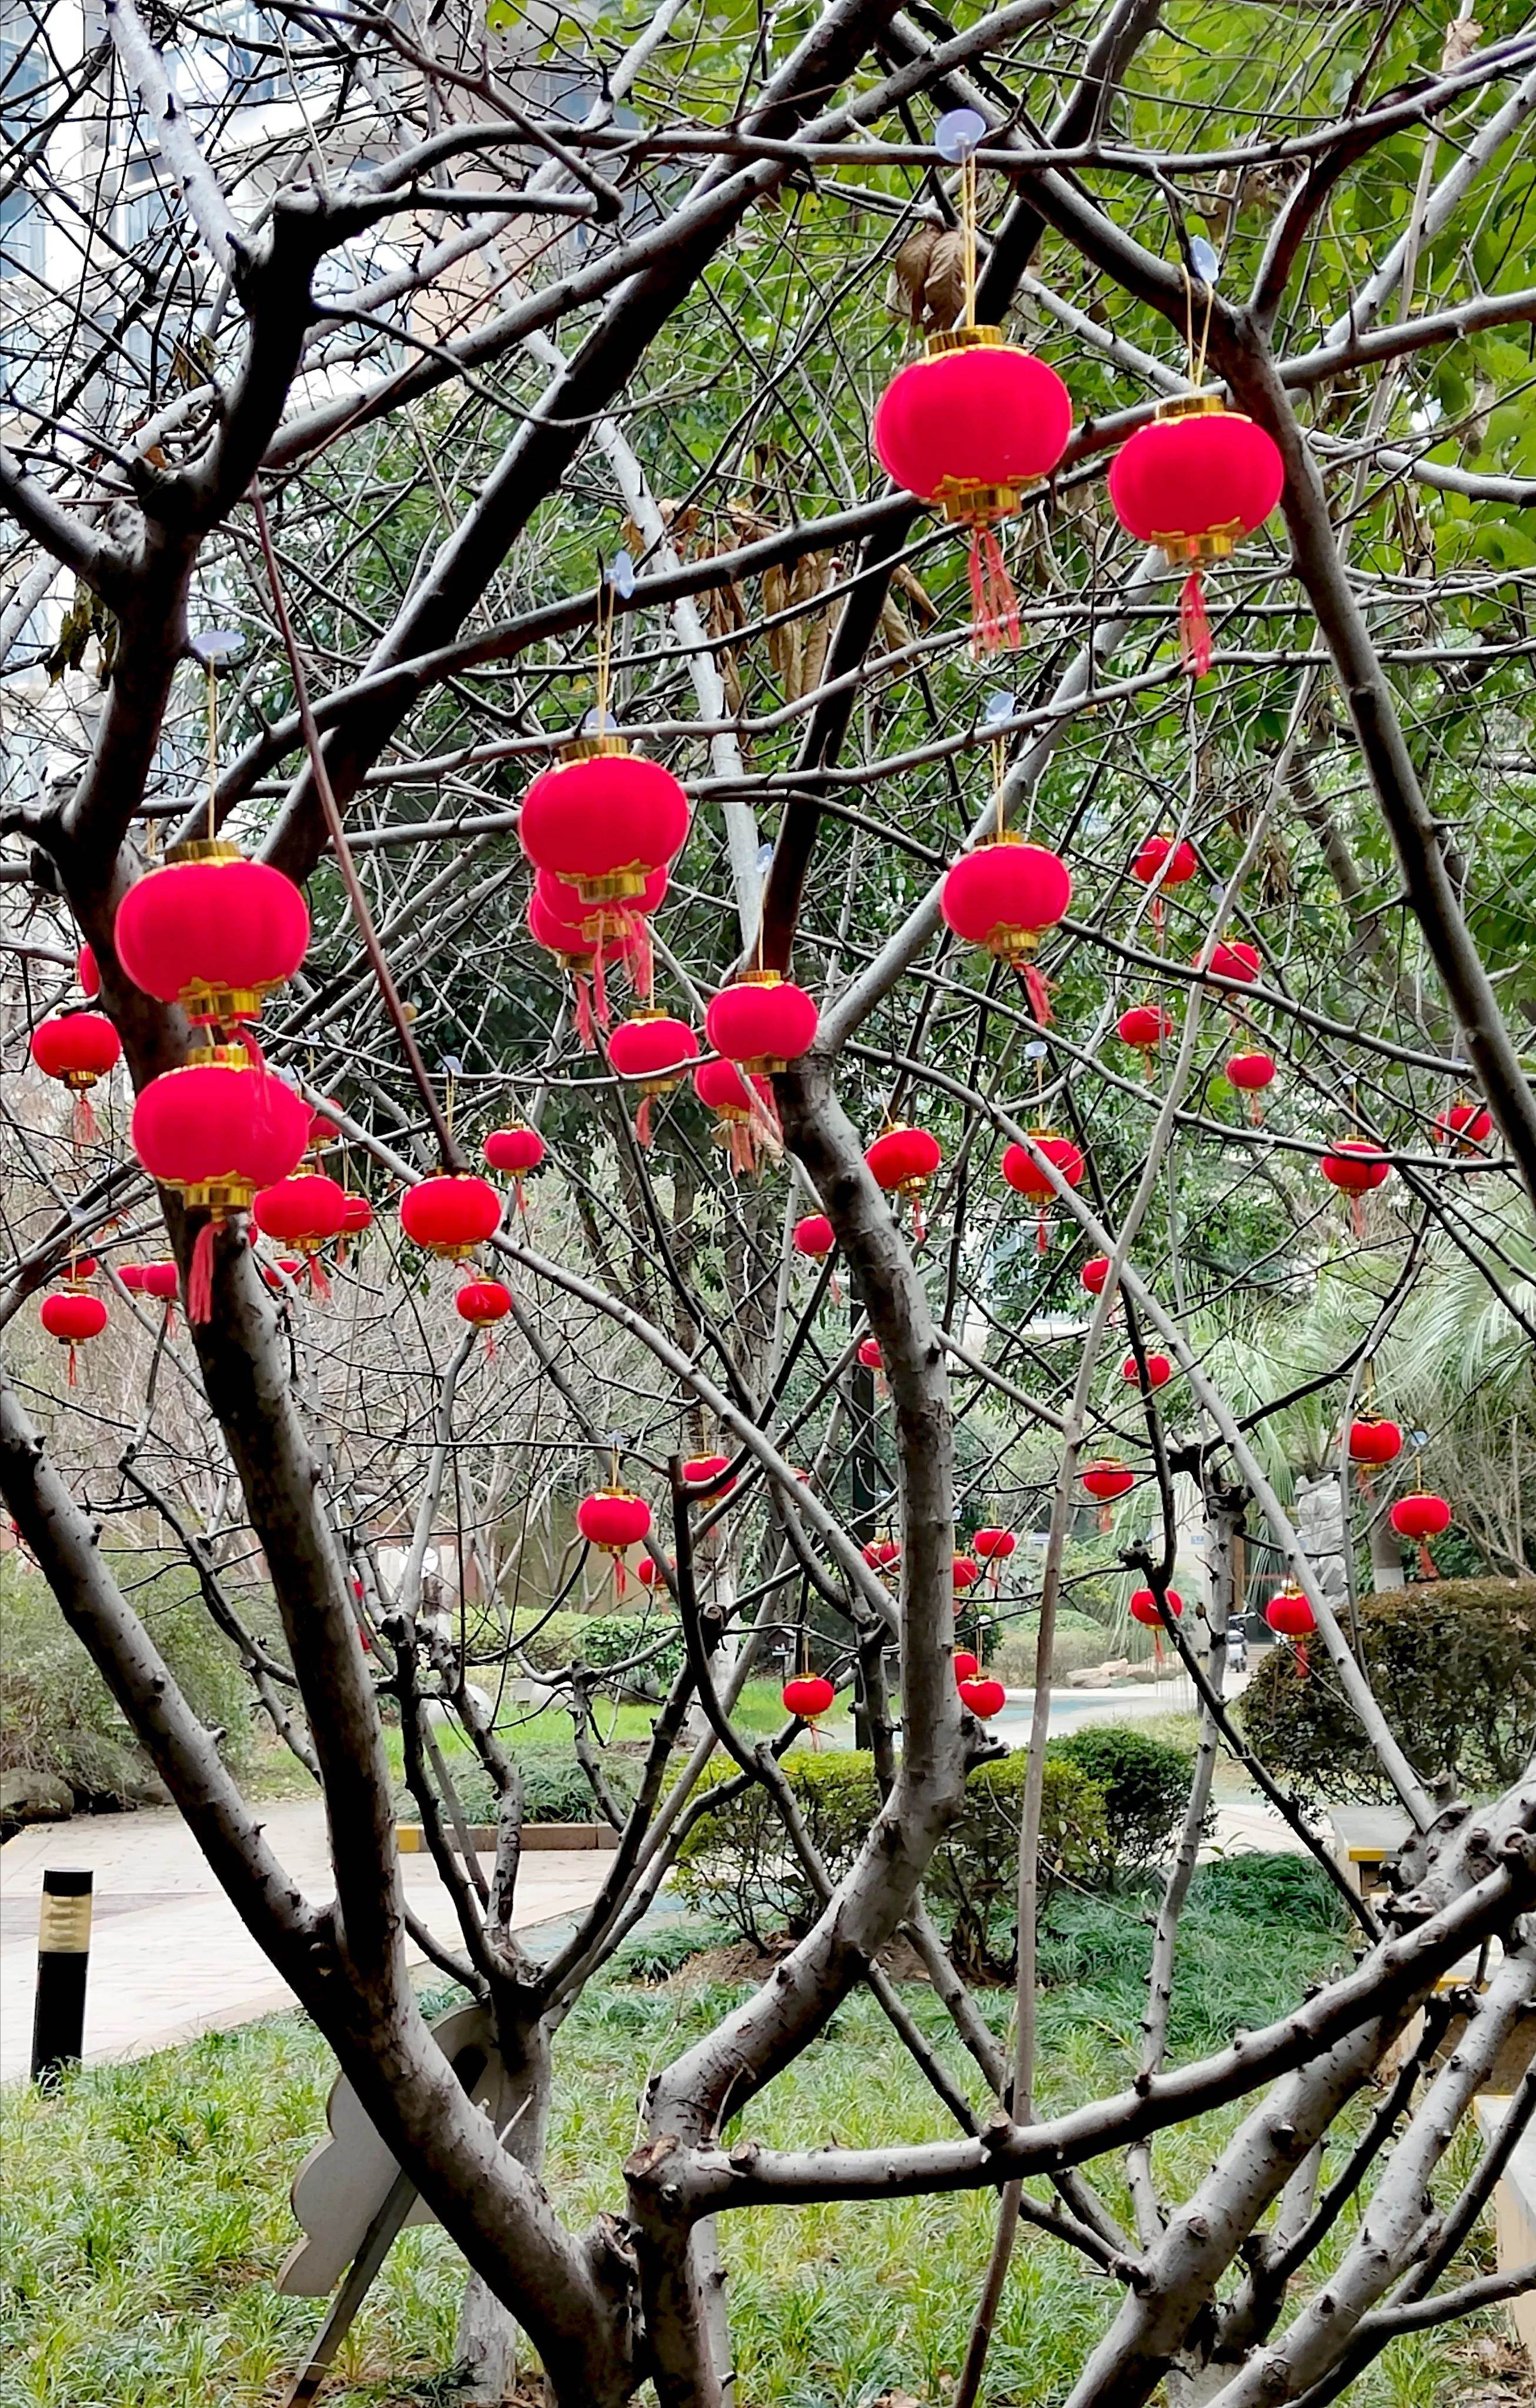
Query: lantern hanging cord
[997,763]
[607,594]
[452,1159]
[213,751]
[968,227]
[1196,354]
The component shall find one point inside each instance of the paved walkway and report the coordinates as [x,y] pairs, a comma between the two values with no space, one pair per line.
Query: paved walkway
[169,1956]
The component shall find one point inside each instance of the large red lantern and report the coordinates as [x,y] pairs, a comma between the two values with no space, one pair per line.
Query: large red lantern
[212,931]
[1250,1074]
[809,1695]
[1143,1609]
[655,1050]
[1106,1479]
[1164,861]
[604,819]
[1144,1030]
[77,1048]
[969,428]
[1421,1517]
[1025,1176]
[984,1699]
[216,1130]
[1159,1370]
[614,1519]
[72,1318]
[1374,1440]
[966,1665]
[762,1023]
[451,1215]
[1289,1615]
[306,1212]
[1006,896]
[1195,482]
[902,1161]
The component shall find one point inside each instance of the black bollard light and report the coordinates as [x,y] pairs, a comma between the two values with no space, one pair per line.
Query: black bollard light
[64,1957]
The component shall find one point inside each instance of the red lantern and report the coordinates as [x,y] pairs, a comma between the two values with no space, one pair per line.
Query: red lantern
[1143,1609]
[763,1022]
[1025,1176]
[1251,1074]
[969,428]
[1421,1517]
[704,1471]
[994,1547]
[306,1212]
[1235,960]
[965,1666]
[609,931]
[1289,1615]
[614,1519]
[88,974]
[162,1281]
[482,1302]
[1194,482]
[1159,1370]
[903,1160]
[1107,1479]
[965,1573]
[132,1276]
[515,1150]
[882,1554]
[588,965]
[604,819]
[809,1695]
[655,1050]
[356,1216]
[1143,1028]
[744,1111]
[1164,861]
[77,1048]
[1095,1271]
[279,1273]
[213,931]
[1463,1126]
[216,1130]
[72,1318]
[984,1699]
[647,1571]
[815,1237]
[451,1215]
[1355,1168]
[870,1356]
[1005,895]
[1372,1442]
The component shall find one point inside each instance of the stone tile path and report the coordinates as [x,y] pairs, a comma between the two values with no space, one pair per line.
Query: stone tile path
[169,1956]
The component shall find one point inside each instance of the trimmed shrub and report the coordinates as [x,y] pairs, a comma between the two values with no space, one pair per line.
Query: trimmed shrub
[555,1787]
[738,1865]
[1144,1781]
[1453,1666]
[550,1641]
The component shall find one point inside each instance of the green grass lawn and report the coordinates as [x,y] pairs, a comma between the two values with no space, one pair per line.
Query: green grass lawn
[145,2210]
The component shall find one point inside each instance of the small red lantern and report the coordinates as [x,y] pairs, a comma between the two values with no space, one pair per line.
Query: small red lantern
[1005,895]
[451,1215]
[1463,1126]
[1095,1271]
[588,965]
[306,1212]
[1107,1479]
[808,1697]
[882,1554]
[356,1216]
[1237,960]
[216,1130]
[744,1111]
[604,819]
[965,1573]
[1026,1178]
[285,1268]
[994,1547]
[78,1048]
[1357,1169]
[483,1302]
[984,1699]
[965,1666]
[704,1471]
[1373,1442]
[815,1237]
[132,1276]
[1251,1074]
[1164,861]
[647,1571]
[969,428]
[614,1519]
[88,972]
[612,931]
[762,1023]
[72,1318]
[162,1281]
[870,1356]
[1143,1028]
[212,931]
[1159,1370]
[655,1050]
[1289,1615]
[514,1150]
[1143,1609]
[1194,482]
[903,1160]
[1422,1516]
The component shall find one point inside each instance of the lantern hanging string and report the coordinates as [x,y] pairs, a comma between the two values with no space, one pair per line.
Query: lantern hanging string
[453,1158]
[968,227]
[212,750]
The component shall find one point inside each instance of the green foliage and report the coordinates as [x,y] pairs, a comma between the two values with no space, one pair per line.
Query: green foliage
[739,1863]
[1453,1665]
[56,1712]
[555,1787]
[1271,1890]
[550,1641]
[1144,1783]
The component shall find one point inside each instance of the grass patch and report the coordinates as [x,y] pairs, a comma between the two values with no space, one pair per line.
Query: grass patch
[146,2215]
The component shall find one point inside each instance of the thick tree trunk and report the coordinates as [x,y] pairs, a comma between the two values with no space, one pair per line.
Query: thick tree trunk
[488,2335]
